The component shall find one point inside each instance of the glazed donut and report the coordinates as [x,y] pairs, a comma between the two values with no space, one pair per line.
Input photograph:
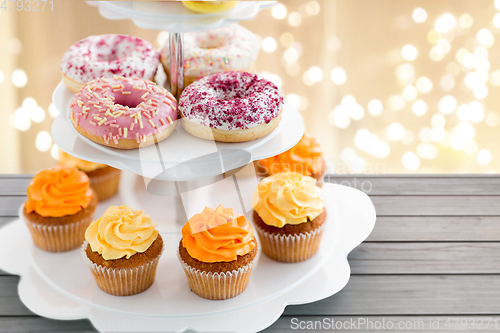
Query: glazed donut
[231,48]
[231,107]
[123,112]
[209,6]
[108,55]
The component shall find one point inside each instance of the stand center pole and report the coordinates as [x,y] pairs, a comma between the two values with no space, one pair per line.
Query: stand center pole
[176,63]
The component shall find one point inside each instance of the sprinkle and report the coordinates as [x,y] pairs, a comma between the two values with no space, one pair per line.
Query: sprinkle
[133,115]
[140,123]
[97,106]
[93,123]
[71,116]
[125,132]
[79,102]
[143,97]
[137,87]
[90,82]
[135,78]
[151,122]
[117,90]
[106,139]
[132,126]
[137,137]
[126,92]
[115,126]
[115,140]
[144,138]
[103,120]
[170,120]
[135,120]
[162,122]
[96,117]
[147,115]
[103,80]
[85,109]
[93,102]
[110,122]
[111,97]
[115,77]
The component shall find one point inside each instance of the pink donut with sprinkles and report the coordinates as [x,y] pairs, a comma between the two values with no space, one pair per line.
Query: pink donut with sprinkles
[108,55]
[231,107]
[123,113]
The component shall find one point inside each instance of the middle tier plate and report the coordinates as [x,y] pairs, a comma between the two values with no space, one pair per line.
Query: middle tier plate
[181,156]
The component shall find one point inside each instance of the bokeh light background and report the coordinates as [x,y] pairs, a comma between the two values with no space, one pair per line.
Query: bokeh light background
[386,86]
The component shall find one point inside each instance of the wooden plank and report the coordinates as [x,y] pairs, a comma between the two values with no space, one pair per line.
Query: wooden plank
[411,185]
[410,324]
[10,304]
[9,206]
[426,258]
[436,205]
[410,295]
[14,186]
[39,324]
[436,228]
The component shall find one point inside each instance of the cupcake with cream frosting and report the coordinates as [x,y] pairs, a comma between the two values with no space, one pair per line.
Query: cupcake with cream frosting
[217,252]
[305,157]
[103,178]
[59,208]
[122,249]
[289,216]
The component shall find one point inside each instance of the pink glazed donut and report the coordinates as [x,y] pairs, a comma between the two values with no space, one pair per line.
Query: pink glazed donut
[123,113]
[107,55]
[231,107]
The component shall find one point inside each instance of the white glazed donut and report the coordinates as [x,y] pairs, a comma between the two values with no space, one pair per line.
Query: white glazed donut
[108,55]
[231,107]
[231,48]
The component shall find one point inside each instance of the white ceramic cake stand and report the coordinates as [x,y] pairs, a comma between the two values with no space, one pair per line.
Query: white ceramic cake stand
[60,286]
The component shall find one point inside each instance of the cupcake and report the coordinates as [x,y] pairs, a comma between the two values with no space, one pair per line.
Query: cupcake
[104,179]
[305,158]
[289,216]
[60,206]
[122,249]
[217,253]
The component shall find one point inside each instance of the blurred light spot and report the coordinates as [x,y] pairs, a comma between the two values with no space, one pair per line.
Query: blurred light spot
[444,45]
[405,74]
[347,154]
[447,104]
[356,163]
[1,77]
[495,78]
[469,60]
[348,100]
[36,113]
[473,80]
[22,119]
[461,54]
[492,119]
[286,39]
[424,85]
[279,11]
[438,120]
[43,141]
[403,22]
[425,135]
[333,43]
[445,23]
[338,76]
[269,44]
[481,52]
[53,110]
[14,46]
[419,15]
[407,137]
[291,55]
[480,92]
[162,38]
[396,102]
[497,4]
[293,100]
[409,52]
[419,107]
[411,161]
[496,21]
[371,144]
[477,111]
[396,131]
[375,107]
[54,152]
[438,134]
[462,134]
[272,77]
[436,53]
[447,82]
[312,8]
[427,151]
[483,66]
[19,78]
[433,36]
[464,112]
[485,37]
[340,117]
[295,19]
[452,69]
[483,156]
[356,111]
[410,93]
[292,69]
[465,21]
[470,147]
[312,75]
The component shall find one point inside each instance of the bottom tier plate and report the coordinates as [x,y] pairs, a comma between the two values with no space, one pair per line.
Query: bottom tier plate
[60,286]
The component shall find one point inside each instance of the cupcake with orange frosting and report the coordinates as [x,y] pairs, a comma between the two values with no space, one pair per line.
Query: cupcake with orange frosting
[103,178]
[217,253]
[59,208]
[305,158]
[122,249]
[289,216]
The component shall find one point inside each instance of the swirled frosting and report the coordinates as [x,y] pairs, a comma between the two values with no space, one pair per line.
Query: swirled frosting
[217,235]
[85,166]
[288,198]
[121,231]
[305,158]
[59,191]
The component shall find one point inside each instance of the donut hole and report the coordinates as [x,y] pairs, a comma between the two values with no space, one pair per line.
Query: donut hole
[129,101]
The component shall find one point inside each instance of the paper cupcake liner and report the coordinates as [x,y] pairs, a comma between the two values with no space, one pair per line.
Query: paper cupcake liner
[217,286]
[290,248]
[59,238]
[105,185]
[123,281]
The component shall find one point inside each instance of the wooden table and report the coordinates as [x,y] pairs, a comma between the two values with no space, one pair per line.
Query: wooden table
[432,259]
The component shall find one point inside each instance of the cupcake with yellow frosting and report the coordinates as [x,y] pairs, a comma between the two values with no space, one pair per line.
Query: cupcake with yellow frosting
[59,208]
[289,216]
[217,253]
[305,157]
[209,6]
[122,249]
[103,178]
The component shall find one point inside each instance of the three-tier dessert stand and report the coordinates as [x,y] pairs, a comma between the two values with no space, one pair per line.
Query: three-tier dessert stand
[174,179]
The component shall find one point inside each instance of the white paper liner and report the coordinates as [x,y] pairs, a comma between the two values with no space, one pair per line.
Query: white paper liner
[290,248]
[217,286]
[105,185]
[123,281]
[61,237]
